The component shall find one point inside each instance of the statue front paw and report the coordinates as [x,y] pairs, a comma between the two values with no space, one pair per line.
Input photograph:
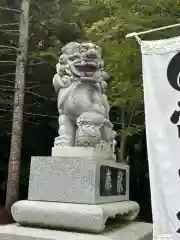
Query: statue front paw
[88,135]
[62,142]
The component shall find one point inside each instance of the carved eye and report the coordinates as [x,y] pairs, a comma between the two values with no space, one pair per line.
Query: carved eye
[82,49]
[74,57]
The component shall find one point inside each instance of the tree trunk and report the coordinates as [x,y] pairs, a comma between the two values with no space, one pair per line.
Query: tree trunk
[17,123]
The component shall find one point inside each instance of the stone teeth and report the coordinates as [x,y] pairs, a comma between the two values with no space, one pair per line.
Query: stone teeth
[83,74]
[89,73]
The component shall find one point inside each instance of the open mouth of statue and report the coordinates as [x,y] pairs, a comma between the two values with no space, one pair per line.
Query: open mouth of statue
[86,69]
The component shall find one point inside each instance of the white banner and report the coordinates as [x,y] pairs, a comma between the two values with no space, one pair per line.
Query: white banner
[161,78]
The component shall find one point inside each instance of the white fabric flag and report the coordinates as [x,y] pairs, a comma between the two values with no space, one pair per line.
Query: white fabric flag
[161,79]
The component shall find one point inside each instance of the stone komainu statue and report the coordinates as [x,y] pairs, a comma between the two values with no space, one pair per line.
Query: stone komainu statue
[83,108]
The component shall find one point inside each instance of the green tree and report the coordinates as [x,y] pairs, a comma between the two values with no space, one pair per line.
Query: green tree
[122,57]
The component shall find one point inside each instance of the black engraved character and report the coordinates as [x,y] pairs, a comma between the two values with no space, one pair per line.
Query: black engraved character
[175,119]
[173,75]
[173,72]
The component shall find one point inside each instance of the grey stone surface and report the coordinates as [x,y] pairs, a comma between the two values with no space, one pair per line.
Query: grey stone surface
[81,152]
[80,82]
[132,231]
[71,179]
[81,217]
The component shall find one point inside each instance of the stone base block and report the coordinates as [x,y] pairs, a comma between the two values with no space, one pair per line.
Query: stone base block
[90,178]
[72,216]
[81,152]
[132,231]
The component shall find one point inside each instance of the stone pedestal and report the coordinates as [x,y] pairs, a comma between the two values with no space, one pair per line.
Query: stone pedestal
[78,179]
[78,189]
[81,217]
[81,152]
[116,231]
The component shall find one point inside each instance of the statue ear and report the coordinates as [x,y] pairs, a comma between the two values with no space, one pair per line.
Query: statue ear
[100,50]
[57,82]
[105,76]
[70,48]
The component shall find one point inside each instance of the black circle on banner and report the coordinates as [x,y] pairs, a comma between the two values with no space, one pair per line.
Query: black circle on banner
[173,72]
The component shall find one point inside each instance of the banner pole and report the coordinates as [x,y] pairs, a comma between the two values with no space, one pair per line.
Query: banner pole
[133,34]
